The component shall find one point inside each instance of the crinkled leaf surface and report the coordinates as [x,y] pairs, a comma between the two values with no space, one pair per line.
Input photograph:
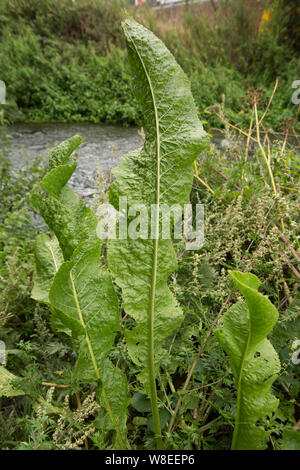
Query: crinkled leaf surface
[161,172]
[86,296]
[67,215]
[81,295]
[62,154]
[255,364]
[174,134]
[116,389]
[48,258]
[72,224]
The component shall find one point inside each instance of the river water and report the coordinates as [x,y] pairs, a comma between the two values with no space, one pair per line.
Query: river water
[102,149]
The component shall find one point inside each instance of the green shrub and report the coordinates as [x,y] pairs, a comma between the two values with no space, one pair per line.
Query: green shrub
[65,60]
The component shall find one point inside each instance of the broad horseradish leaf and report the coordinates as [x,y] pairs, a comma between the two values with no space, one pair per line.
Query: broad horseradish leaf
[67,215]
[255,364]
[48,258]
[78,290]
[161,172]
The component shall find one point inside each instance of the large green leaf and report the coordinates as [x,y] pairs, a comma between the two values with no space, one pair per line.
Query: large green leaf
[161,172]
[79,292]
[86,296]
[290,440]
[67,215]
[255,364]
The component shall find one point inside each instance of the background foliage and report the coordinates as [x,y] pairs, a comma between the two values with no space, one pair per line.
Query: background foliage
[65,60]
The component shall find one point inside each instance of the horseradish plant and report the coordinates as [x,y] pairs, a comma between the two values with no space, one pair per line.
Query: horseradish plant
[79,291]
[161,172]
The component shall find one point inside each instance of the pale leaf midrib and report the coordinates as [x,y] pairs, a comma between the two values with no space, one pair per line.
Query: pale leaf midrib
[154,262]
[53,256]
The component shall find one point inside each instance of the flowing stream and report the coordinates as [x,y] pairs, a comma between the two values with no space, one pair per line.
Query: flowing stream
[103,148]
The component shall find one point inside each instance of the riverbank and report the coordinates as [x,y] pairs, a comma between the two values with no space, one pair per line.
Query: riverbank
[66,62]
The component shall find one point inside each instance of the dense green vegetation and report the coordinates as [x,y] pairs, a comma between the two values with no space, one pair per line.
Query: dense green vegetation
[251,201]
[240,236]
[65,60]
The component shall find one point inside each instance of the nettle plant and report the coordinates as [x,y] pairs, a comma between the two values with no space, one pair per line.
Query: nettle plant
[80,291]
